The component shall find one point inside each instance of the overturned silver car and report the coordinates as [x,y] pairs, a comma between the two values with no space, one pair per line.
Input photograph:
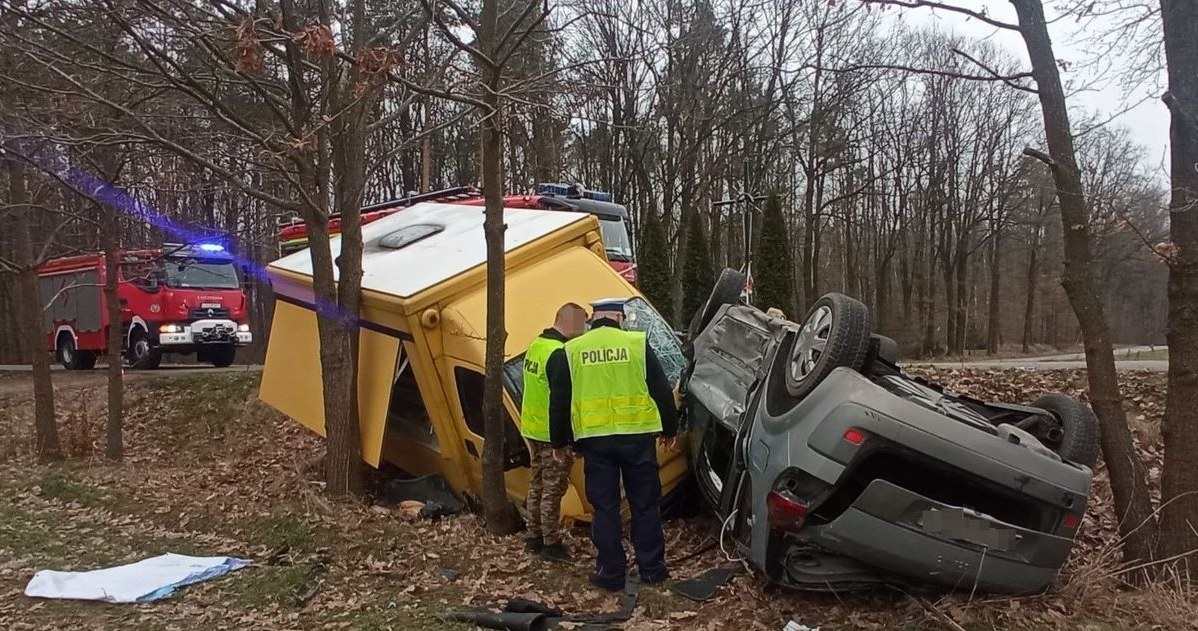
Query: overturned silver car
[831,469]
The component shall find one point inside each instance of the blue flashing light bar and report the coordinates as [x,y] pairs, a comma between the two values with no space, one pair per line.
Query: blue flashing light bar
[568,190]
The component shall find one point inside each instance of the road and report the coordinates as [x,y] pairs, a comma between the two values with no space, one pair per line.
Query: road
[1067,362]
[166,370]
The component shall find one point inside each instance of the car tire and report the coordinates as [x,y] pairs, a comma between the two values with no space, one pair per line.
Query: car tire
[221,356]
[71,357]
[835,333]
[727,290]
[1079,428]
[142,354]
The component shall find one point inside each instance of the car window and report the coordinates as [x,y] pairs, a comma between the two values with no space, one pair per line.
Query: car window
[640,316]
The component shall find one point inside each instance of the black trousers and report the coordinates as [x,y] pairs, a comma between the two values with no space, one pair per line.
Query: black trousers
[633,458]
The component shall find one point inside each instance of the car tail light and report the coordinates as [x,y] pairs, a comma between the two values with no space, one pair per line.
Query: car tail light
[785,510]
[854,436]
[1071,521]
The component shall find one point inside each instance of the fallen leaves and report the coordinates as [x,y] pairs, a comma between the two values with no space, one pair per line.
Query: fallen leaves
[206,486]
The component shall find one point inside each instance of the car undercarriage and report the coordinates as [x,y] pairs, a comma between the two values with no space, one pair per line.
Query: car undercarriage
[830,468]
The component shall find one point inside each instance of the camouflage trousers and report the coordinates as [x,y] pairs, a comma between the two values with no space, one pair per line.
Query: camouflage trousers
[545,491]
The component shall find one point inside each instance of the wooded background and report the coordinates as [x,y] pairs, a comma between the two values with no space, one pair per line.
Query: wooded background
[907,190]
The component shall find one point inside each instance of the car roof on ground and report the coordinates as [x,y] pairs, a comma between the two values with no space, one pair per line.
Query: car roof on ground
[436,242]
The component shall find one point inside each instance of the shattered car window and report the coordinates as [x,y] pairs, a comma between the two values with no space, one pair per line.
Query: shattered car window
[640,316]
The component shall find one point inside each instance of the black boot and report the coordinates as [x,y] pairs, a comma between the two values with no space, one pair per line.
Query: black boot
[556,552]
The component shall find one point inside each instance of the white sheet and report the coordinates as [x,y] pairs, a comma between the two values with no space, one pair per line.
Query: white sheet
[143,581]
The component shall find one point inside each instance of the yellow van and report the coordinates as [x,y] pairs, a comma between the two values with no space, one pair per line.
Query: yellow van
[422,337]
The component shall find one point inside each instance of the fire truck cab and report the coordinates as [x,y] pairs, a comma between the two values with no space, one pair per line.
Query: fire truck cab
[177,299]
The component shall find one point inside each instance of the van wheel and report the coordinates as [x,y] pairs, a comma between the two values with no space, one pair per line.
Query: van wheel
[835,333]
[142,354]
[71,357]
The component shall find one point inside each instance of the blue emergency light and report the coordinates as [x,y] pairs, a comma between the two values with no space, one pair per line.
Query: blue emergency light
[569,190]
[212,247]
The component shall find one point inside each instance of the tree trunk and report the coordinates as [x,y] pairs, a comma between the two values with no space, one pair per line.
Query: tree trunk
[1180,477]
[1029,305]
[45,423]
[1127,472]
[114,443]
[500,514]
[994,319]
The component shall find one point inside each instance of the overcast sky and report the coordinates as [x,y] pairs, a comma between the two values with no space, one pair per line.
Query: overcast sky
[1148,122]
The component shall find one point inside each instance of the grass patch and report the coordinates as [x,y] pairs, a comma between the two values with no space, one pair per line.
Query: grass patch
[195,412]
[60,485]
[258,587]
[284,531]
[25,536]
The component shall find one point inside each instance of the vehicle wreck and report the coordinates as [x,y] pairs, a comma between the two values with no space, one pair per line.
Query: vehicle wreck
[830,468]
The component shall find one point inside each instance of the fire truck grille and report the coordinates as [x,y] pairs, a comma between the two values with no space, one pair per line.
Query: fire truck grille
[201,313]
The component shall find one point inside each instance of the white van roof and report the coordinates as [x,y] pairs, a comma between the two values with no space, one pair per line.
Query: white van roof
[435,243]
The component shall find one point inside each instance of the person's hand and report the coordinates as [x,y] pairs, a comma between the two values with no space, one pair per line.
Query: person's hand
[670,443]
[561,454]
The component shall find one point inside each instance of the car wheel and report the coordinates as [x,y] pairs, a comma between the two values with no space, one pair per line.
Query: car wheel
[835,333]
[1076,438]
[727,290]
[142,354]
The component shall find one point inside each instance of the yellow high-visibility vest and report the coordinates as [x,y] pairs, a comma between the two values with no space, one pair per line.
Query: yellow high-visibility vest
[609,394]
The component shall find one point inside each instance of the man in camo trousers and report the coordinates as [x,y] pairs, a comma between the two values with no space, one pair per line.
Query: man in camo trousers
[550,475]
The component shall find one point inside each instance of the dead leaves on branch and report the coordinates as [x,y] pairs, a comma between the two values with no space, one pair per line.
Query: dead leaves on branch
[247,48]
[374,64]
[317,40]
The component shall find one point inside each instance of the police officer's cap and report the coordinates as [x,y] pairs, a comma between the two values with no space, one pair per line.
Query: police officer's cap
[609,304]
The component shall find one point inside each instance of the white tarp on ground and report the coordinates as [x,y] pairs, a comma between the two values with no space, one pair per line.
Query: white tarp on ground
[143,581]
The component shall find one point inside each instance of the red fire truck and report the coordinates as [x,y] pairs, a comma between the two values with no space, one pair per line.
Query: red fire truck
[176,299]
[613,218]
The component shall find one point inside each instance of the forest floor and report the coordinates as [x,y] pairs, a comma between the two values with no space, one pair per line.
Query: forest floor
[211,474]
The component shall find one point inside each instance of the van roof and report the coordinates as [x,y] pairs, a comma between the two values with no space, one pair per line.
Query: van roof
[429,243]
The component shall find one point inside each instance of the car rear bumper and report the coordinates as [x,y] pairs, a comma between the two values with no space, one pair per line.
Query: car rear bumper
[904,534]
[899,495]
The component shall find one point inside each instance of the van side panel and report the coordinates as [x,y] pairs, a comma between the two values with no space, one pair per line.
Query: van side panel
[291,378]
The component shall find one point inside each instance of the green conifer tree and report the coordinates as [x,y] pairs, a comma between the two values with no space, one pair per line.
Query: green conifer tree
[653,263]
[773,269]
[698,274]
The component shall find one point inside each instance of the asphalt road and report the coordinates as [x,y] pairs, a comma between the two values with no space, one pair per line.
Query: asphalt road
[166,370]
[1065,362]
[1070,361]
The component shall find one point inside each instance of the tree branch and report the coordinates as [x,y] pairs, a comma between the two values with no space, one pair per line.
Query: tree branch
[929,4]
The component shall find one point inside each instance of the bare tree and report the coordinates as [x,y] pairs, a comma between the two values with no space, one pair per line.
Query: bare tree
[1180,480]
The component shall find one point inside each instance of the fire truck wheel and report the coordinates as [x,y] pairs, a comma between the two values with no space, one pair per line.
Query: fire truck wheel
[71,357]
[221,356]
[142,354]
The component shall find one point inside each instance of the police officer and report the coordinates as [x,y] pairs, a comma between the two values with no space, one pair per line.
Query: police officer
[610,403]
[549,474]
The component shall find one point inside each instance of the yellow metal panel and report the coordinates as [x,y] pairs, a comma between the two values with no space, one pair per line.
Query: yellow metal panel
[534,292]
[291,378]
